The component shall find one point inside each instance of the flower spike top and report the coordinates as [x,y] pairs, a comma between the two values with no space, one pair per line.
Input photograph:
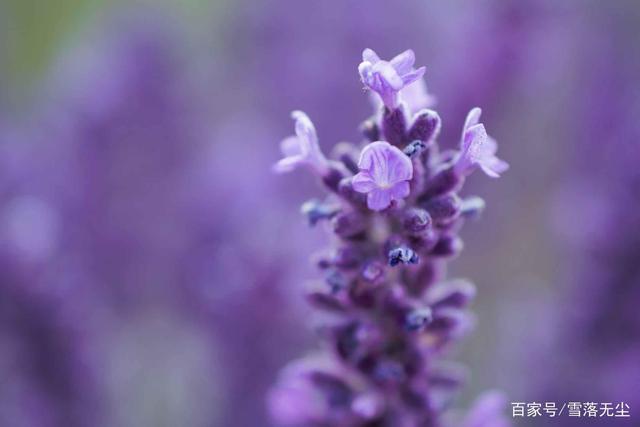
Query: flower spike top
[387,78]
[478,149]
[302,148]
[395,212]
[384,175]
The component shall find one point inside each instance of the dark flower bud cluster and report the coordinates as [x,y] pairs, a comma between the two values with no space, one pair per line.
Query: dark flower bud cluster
[389,314]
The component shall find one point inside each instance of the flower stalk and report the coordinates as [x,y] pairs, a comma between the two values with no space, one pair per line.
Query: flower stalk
[389,312]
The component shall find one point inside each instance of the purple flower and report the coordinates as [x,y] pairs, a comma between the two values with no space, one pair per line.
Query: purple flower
[478,149]
[389,325]
[384,174]
[302,148]
[387,78]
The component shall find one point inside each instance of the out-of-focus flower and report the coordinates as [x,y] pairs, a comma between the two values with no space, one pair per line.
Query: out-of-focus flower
[417,96]
[488,411]
[478,149]
[308,390]
[384,175]
[302,148]
[387,78]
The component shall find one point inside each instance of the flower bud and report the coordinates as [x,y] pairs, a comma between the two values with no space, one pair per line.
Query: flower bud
[444,209]
[394,126]
[444,181]
[345,189]
[372,272]
[416,220]
[455,293]
[447,246]
[348,155]
[348,224]
[370,130]
[425,127]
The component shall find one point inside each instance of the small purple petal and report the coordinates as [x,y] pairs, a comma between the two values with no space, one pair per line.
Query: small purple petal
[290,146]
[369,55]
[403,62]
[378,199]
[473,118]
[494,167]
[400,190]
[412,76]
[388,75]
[478,149]
[304,127]
[363,182]
[303,148]
[416,96]
[384,174]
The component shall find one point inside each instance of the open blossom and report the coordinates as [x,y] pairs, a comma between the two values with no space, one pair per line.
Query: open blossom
[384,175]
[478,149]
[387,78]
[302,148]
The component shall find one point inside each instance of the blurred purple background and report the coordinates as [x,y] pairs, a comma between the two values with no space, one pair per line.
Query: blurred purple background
[152,265]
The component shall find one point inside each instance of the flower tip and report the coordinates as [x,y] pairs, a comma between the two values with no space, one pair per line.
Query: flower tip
[497,169]
[369,55]
[473,118]
[299,115]
[281,167]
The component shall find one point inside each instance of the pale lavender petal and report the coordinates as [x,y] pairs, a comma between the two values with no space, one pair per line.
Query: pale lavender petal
[288,164]
[474,137]
[372,159]
[400,190]
[378,199]
[478,149]
[302,148]
[494,166]
[363,182]
[365,71]
[473,118]
[404,61]
[416,96]
[369,55]
[412,76]
[389,75]
[490,146]
[304,127]
[290,146]
[399,166]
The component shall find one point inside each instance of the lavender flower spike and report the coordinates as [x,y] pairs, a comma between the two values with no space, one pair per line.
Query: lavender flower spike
[387,78]
[478,149]
[396,219]
[384,175]
[302,148]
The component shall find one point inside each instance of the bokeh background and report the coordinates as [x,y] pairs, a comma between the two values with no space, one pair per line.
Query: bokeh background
[151,265]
